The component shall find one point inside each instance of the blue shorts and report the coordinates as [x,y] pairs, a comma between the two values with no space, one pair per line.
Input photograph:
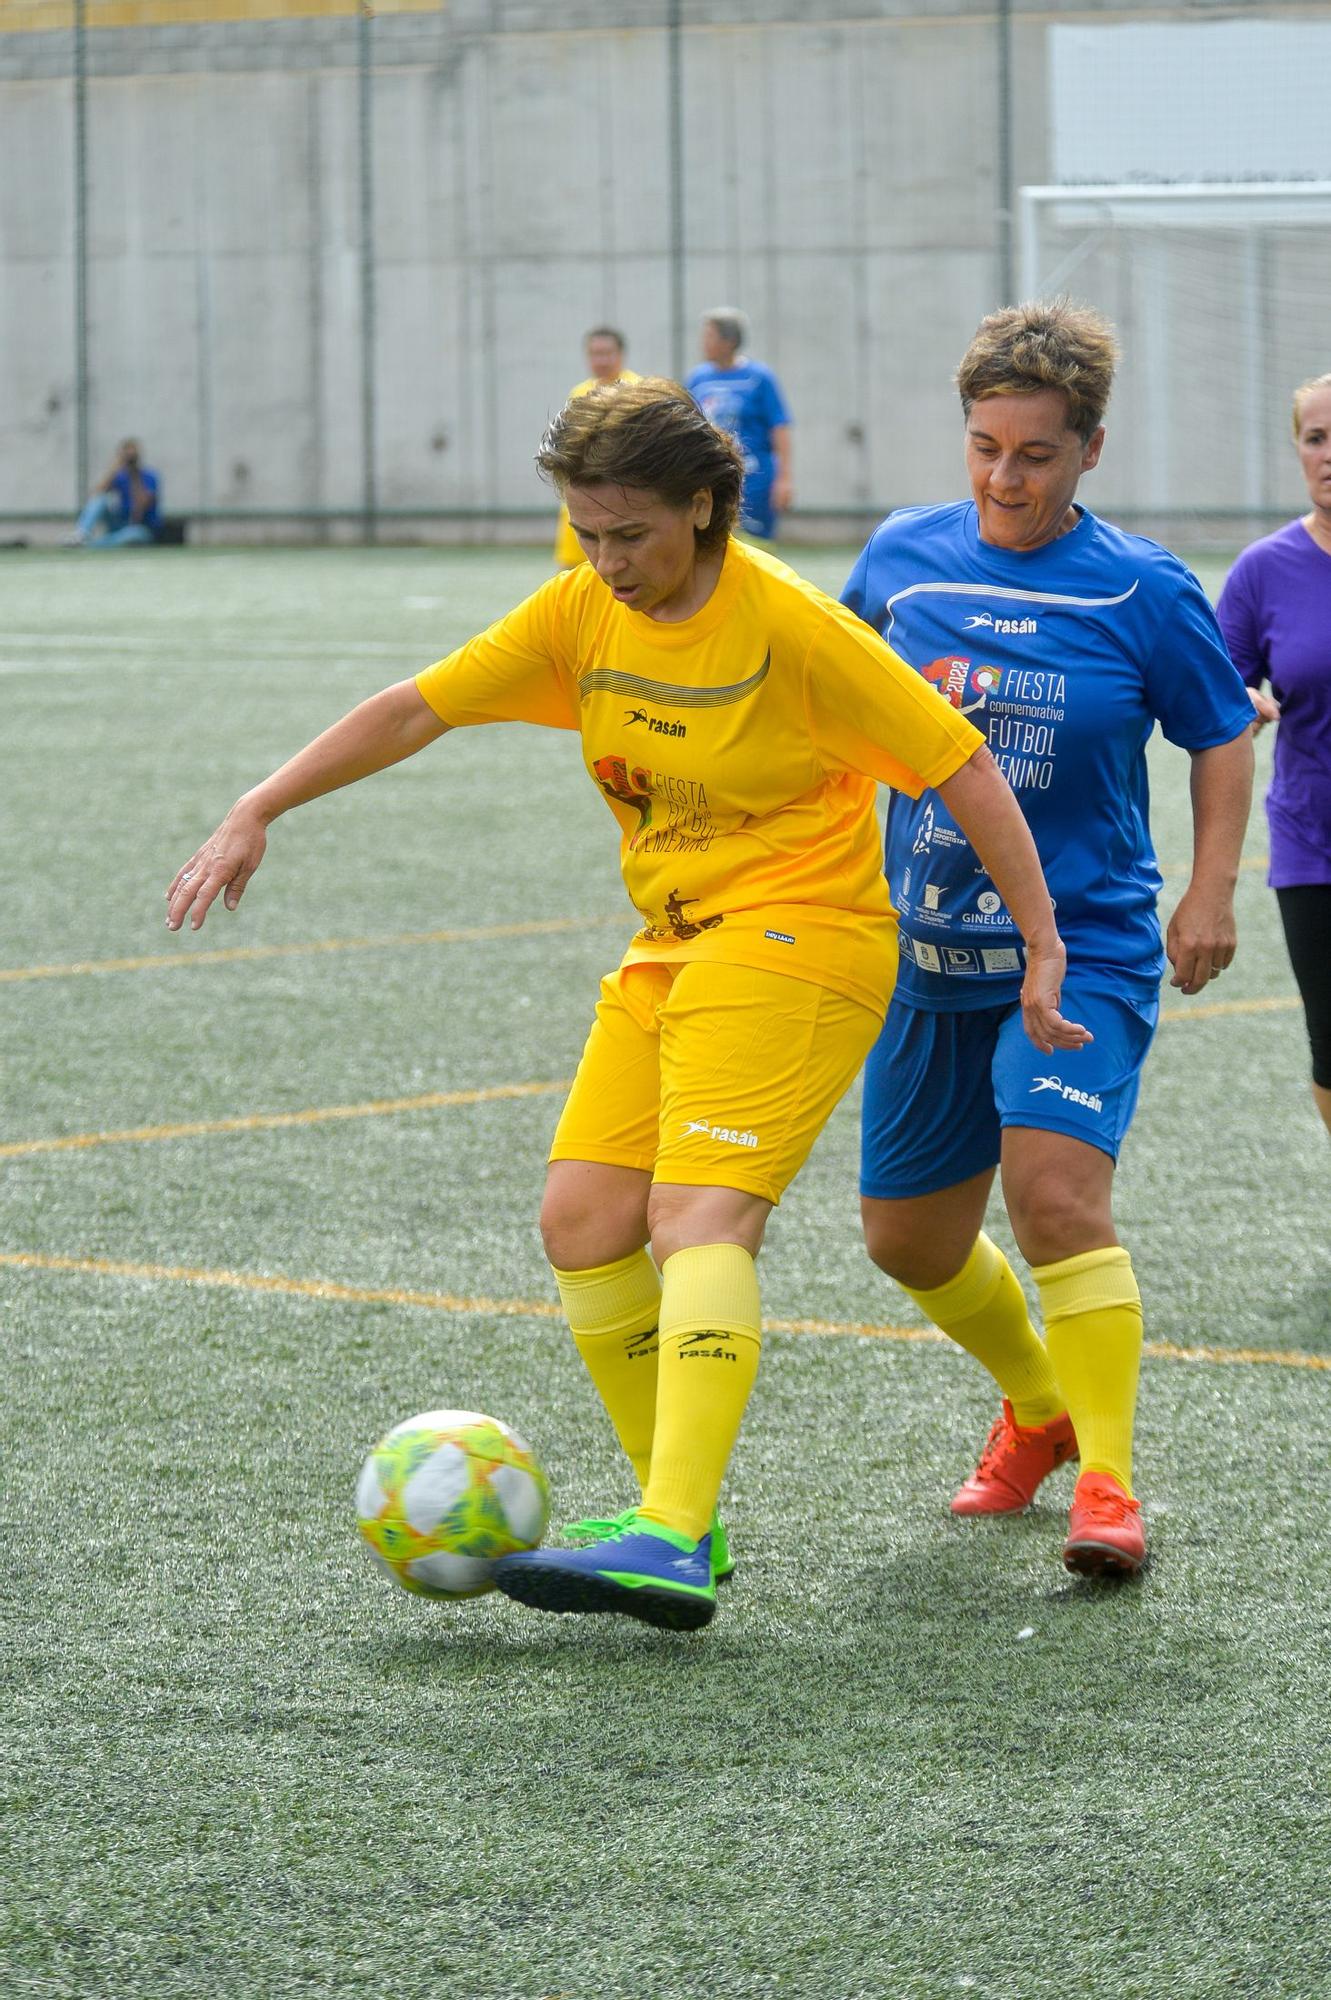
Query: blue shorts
[939,1089]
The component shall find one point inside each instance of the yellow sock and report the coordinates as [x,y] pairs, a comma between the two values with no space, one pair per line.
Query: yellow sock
[613,1312]
[984,1310]
[1093,1323]
[711,1334]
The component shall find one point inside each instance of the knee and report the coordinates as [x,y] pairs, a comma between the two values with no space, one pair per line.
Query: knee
[683,1217]
[1053,1220]
[896,1246]
[581,1234]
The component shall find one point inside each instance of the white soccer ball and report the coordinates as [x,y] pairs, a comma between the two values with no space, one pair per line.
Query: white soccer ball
[444,1495]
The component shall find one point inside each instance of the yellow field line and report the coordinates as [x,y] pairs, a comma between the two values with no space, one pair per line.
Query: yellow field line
[1207,1010]
[434,1100]
[267,1121]
[447,1302]
[157,961]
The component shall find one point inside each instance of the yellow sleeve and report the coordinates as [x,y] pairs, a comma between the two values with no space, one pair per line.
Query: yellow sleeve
[509,673]
[868,711]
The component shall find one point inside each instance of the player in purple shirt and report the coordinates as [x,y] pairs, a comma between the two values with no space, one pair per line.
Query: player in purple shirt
[1275,612]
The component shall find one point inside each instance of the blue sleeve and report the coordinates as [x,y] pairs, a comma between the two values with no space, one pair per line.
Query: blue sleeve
[1237,616]
[1192,686]
[855,596]
[775,409]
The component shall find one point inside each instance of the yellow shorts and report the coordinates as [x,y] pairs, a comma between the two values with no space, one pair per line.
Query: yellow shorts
[712,1075]
[569,551]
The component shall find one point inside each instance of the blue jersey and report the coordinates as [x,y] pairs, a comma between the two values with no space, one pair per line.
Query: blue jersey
[745,400]
[1065,657]
[122,487]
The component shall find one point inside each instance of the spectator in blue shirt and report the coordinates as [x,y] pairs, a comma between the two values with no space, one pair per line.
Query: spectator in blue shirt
[743,397]
[124,508]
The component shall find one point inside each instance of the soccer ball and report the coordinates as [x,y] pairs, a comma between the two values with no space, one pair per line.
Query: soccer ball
[443,1495]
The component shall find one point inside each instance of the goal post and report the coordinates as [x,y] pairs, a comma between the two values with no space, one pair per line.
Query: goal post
[1220,293]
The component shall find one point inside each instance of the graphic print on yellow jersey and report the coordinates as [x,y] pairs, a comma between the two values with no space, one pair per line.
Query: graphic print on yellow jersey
[688,826]
[677,924]
[667,694]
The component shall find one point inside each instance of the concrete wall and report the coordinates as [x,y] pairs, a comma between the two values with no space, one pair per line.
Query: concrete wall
[840,183]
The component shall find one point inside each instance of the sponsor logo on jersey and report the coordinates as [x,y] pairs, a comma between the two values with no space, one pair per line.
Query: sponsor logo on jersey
[992,624]
[1066,1092]
[960,961]
[967,687]
[779,937]
[932,892]
[1001,959]
[654,724]
[724,1135]
[926,957]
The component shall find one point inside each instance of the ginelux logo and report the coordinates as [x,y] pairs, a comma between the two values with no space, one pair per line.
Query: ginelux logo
[692,1348]
[1067,1093]
[725,1135]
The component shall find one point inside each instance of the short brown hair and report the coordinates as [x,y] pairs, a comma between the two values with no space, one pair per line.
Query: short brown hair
[649,434]
[1301,395]
[1044,344]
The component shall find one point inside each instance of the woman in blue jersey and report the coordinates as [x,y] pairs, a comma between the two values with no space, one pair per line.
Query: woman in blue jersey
[1065,641]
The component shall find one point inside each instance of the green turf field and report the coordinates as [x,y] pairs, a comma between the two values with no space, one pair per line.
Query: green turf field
[911,1757]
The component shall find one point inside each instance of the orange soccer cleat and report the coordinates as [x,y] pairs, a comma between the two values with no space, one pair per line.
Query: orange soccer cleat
[1105,1534]
[1013,1463]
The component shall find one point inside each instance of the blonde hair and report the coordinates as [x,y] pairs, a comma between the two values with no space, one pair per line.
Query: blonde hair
[1301,395]
[650,434]
[1043,344]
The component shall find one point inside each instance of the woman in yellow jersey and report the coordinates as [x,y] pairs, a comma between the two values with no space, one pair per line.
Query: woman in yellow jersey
[736,721]
[604,347]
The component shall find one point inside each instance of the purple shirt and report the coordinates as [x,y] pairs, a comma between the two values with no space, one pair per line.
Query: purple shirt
[1275,613]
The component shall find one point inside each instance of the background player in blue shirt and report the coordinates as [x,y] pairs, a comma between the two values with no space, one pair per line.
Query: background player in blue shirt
[125,508]
[1065,641]
[743,397]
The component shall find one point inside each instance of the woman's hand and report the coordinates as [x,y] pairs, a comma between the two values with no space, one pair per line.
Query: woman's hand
[1041,991]
[222,866]
[388,727]
[1265,709]
[1201,939]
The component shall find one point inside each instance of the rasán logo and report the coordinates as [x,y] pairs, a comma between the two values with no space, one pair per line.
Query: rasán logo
[726,1135]
[1067,1093]
[987,620]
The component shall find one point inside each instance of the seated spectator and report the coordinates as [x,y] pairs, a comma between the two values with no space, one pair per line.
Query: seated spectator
[124,508]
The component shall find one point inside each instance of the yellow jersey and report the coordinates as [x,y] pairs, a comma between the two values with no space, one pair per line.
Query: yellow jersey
[568,549]
[592,382]
[739,751]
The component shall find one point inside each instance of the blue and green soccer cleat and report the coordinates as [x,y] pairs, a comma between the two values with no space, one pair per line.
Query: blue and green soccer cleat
[641,1569]
[582,1533]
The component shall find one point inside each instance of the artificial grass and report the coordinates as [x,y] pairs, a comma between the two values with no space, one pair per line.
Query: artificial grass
[911,1756]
